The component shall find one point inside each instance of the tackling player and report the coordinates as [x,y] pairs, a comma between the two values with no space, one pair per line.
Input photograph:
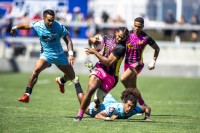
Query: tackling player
[104,75]
[134,64]
[50,32]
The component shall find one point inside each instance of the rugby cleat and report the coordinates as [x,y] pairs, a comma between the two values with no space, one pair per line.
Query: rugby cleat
[61,86]
[25,98]
[78,118]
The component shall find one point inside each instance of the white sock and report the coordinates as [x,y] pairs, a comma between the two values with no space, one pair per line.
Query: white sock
[28,94]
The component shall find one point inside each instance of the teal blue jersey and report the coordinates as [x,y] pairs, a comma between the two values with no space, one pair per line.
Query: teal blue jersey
[51,48]
[50,37]
[111,107]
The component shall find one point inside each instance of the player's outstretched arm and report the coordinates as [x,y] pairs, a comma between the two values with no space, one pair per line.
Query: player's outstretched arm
[102,115]
[19,27]
[104,60]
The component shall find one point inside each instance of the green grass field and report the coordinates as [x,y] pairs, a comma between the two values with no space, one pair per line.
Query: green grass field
[175,104]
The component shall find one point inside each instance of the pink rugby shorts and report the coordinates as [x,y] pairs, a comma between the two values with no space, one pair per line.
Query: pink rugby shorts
[108,82]
[137,67]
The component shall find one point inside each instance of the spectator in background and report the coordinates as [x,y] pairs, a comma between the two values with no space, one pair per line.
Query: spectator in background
[146,19]
[5,31]
[77,17]
[65,16]
[91,30]
[57,17]
[194,21]
[181,33]
[37,16]
[105,17]
[169,20]
[119,20]
[25,19]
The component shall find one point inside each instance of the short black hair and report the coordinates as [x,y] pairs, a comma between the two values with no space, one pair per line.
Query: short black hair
[140,19]
[48,11]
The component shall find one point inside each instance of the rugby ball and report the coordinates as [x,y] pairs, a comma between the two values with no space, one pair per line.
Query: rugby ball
[98,47]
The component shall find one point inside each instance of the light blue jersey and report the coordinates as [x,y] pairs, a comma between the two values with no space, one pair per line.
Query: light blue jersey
[51,48]
[111,107]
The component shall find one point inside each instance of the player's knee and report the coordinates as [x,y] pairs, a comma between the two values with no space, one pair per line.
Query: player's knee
[35,74]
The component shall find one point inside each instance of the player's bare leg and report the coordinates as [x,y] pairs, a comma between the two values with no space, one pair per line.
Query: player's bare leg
[93,84]
[129,80]
[125,77]
[40,66]
[80,96]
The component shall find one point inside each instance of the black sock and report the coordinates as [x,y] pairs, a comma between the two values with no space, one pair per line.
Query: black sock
[78,88]
[97,101]
[28,90]
[62,80]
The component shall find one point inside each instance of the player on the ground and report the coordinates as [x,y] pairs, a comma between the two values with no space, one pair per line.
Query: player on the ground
[104,75]
[50,32]
[134,64]
[110,109]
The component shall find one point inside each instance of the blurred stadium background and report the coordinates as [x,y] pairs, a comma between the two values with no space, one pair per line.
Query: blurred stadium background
[177,36]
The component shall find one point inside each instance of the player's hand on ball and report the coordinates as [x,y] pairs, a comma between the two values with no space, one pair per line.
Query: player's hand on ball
[90,51]
[96,43]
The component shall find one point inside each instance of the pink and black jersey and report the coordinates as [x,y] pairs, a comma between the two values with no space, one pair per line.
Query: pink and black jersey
[118,50]
[135,47]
